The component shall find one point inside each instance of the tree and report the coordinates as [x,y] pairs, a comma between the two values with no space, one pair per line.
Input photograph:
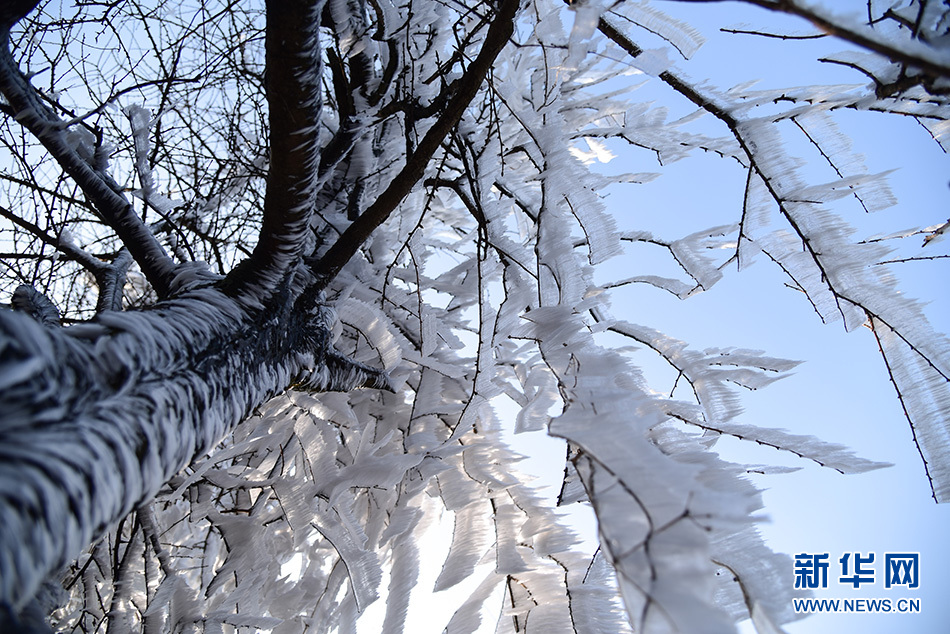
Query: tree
[246,209]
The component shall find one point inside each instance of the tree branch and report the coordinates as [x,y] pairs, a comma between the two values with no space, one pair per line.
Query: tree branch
[293,97]
[34,115]
[912,52]
[465,90]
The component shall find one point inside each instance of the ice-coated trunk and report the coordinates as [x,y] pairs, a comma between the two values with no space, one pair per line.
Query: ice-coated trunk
[94,419]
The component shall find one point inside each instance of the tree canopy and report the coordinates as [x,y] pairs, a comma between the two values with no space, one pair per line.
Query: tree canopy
[276,266]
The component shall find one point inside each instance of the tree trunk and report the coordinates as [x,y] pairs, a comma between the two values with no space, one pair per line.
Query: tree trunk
[96,418]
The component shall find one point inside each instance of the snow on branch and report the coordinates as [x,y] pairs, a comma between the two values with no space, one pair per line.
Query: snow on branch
[924,393]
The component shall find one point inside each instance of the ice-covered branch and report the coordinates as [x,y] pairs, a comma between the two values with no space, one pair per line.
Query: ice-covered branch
[27,299]
[294,103]
[467,87]
[98,417]
[915,52]
[836,275]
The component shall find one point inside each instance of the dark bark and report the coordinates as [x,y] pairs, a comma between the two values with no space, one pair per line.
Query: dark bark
[98,417]
[293,99]
[465,90]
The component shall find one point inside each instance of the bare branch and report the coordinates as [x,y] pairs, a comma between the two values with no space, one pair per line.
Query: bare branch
[30,111]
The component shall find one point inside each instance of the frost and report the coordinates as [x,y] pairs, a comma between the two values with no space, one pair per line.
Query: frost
[246,438]
[140,120]
[683,37]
